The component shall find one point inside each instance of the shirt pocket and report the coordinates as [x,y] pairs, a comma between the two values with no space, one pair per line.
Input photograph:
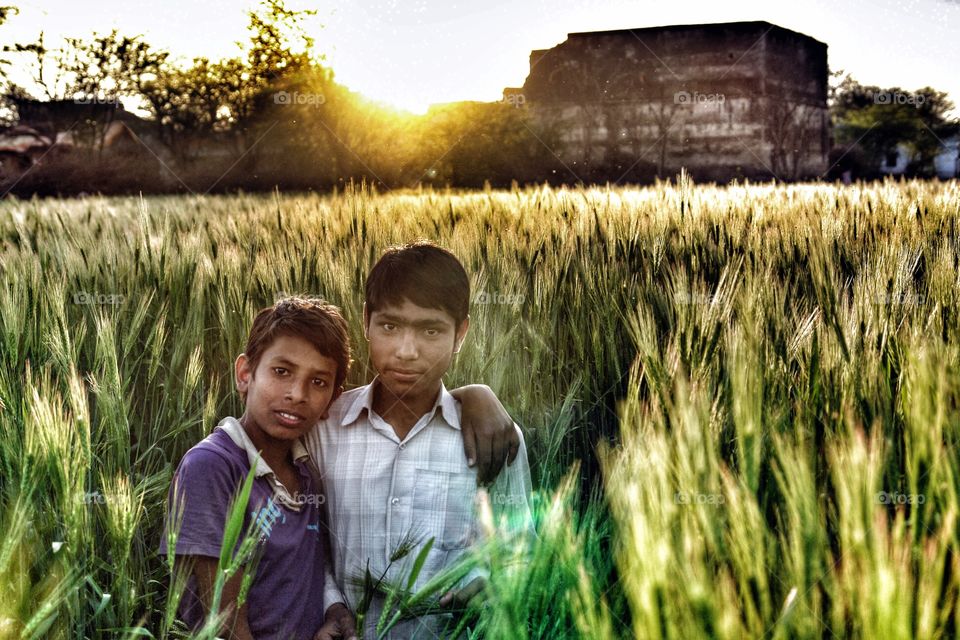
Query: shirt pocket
[443,507]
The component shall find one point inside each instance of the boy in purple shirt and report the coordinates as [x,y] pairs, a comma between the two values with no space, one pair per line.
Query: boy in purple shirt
[291,566]
[292,369]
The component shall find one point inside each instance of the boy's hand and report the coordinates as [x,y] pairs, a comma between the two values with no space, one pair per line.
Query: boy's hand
[338,623]
[470,594]
[489,436]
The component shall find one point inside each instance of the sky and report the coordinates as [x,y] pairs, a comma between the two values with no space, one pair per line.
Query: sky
[413,53]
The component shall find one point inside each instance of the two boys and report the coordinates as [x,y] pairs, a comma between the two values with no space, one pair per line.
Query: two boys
[391,452]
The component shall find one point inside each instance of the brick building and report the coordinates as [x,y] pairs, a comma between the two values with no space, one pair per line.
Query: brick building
[739,99]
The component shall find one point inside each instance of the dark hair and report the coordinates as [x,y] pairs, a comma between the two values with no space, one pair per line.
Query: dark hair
[312,319]
[423,273]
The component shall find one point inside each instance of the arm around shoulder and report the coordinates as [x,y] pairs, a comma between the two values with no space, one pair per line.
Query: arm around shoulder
[489,437]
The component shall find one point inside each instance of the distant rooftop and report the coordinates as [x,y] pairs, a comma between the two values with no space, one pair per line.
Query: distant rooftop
[754,25]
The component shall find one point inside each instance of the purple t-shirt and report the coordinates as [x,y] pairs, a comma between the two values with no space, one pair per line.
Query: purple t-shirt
[286,598]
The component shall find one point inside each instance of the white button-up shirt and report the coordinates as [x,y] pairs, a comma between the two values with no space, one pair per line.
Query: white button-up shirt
[380,490]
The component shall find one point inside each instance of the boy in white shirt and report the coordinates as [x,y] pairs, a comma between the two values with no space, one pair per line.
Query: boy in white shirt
[392,451]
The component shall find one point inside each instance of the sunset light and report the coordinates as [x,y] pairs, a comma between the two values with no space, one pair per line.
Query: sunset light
[413,54]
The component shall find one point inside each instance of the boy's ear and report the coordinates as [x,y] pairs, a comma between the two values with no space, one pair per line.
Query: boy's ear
[461,334]
[242,373]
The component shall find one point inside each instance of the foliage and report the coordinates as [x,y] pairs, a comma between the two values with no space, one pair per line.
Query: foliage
[878,120]
[760,383]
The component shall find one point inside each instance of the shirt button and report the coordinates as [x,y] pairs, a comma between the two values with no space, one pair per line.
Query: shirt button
[395,501]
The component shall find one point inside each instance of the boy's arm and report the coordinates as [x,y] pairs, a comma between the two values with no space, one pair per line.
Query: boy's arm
[489,436]
[202,490]
[332,595]
[509,496]
[236,625]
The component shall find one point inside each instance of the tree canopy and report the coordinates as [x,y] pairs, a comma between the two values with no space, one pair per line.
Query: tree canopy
[879,120]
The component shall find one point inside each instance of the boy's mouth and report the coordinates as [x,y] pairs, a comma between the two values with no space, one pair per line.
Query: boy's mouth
[404,375]
[288,419]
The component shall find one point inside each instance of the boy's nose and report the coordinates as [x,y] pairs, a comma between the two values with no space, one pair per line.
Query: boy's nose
[296,392]
[407,347]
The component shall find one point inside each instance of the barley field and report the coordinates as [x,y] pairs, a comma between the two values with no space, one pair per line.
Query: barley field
[742,403]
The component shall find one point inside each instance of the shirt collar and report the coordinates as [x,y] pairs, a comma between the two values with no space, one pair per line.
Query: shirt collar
[363,400]
[238,434]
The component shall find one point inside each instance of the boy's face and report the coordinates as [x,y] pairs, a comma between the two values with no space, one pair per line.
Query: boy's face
[412,346]
[289,391]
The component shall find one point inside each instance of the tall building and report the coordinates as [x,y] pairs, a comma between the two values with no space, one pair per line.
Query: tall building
[739,99]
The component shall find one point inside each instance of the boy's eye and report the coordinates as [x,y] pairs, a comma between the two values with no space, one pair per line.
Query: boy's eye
[432,332]
[320,382]
[279,371]
[389,326]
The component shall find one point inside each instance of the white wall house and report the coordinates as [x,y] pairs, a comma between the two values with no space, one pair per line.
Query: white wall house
[946,164]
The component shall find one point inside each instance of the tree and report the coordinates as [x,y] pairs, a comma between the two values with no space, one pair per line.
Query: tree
[880,120]
[5,13]
[5,112]
[191,104]
[471,143]
[109,66]
[84,80]
[279,61]
[105,69]
[791,127]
